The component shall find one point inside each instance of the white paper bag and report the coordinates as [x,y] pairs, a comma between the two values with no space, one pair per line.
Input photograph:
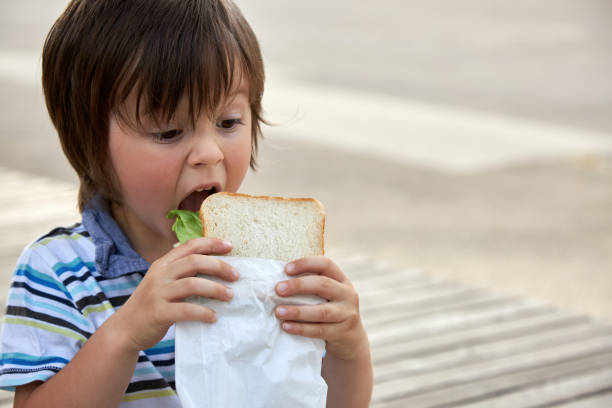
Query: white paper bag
[245,359]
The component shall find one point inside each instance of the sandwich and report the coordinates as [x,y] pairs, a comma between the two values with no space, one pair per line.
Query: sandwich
[257,226]
[246,349]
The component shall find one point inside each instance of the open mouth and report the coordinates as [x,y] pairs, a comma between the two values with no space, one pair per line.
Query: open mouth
[193,201]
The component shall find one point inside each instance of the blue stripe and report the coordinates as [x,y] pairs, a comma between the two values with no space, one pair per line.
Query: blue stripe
[169,371]
[73,266]
[161,350]
[28,288]
[163,347]
[84,287]
[11,383]
[145,371]
[17,299]
[29,360]
[163,343]
[33,275]
[120,286]
[88,283]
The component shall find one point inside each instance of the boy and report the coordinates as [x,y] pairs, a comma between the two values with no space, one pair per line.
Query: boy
[157,105]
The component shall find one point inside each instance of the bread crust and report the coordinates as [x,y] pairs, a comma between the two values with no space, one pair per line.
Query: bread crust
[271,198]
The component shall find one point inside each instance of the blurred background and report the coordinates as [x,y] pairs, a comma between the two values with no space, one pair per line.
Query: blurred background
[469,139]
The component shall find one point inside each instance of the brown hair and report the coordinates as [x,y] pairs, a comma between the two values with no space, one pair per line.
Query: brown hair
[100,51]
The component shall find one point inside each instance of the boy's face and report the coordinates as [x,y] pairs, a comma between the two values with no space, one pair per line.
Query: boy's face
[161,168]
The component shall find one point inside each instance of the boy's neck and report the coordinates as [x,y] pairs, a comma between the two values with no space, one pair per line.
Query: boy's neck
[147,243]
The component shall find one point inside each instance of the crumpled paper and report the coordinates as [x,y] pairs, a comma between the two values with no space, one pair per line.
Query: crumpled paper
[245,359]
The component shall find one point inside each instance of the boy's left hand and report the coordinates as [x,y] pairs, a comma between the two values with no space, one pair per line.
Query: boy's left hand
[336,321]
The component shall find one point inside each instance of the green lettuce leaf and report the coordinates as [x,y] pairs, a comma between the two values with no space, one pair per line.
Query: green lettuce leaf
[187,225]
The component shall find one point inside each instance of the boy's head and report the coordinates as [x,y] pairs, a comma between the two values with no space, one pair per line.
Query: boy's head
[156,52]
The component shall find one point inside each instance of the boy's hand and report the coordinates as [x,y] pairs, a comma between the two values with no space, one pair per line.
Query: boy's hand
[158,301]
[337,321]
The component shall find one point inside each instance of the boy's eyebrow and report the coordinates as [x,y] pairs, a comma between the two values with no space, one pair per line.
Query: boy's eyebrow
[232,97]
[243,90]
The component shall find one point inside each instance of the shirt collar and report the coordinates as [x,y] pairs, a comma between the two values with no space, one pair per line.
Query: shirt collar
[114,255]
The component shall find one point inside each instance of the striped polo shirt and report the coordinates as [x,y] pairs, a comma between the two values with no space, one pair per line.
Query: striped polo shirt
[65,285]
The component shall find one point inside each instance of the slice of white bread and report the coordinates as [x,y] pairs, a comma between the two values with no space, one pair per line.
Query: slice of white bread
[278,228]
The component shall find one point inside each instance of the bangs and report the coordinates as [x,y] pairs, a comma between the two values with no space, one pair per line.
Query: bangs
[185,56]
[143,60]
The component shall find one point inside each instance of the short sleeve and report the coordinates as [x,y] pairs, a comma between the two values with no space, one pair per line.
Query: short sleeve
[42,328]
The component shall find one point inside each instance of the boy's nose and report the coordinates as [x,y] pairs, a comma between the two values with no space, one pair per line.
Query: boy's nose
[205,151]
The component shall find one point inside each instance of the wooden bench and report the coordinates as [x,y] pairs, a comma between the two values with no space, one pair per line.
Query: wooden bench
[434,343]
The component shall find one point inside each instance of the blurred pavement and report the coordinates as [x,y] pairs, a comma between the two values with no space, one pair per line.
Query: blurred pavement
[469,140]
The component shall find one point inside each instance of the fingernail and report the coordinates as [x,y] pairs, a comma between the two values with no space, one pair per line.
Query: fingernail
[227,244]
[289,268]
[229,293]
[281,311]
[235,273]
[287,326]
[282,287]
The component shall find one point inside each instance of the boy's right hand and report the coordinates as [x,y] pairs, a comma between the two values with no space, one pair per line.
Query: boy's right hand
[158,301]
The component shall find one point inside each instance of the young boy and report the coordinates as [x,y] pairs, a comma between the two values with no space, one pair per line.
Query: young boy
[157,104]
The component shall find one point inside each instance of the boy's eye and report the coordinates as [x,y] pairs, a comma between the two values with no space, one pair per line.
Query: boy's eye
[229,124]
[168,135]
